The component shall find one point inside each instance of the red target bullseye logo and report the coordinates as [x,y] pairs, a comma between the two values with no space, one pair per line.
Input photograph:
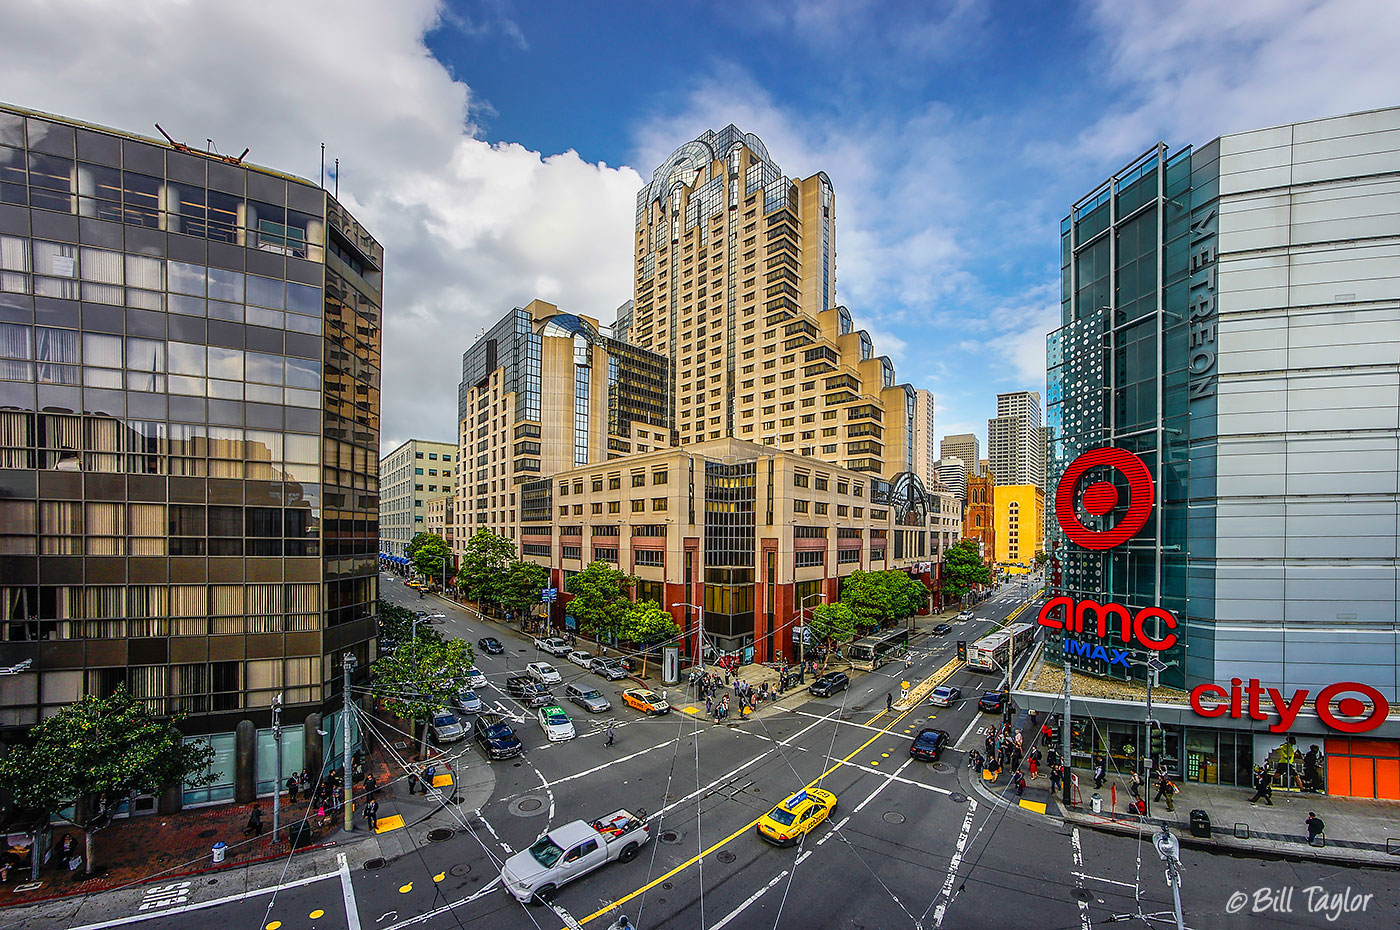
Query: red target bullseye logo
[1376,713]
[1101,497]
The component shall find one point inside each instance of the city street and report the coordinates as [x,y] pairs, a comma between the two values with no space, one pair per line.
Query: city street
[909,844]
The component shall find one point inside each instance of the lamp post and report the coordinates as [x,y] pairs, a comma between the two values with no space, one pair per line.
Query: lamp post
[277,751]
[802,640]
[699,630]
[1169,848]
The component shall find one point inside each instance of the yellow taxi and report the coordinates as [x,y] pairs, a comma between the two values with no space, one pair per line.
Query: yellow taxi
[787,823]
[648,702]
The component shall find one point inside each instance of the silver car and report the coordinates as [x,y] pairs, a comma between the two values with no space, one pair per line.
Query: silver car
[609,669]
[590,699]
[446,728]
[468,702]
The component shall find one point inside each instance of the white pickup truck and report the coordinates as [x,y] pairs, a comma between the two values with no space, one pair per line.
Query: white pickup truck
[570,851]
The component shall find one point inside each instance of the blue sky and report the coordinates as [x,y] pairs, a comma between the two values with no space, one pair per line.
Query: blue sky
[496,148]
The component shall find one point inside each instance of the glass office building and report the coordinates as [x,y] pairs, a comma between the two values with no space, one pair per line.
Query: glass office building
[189,432]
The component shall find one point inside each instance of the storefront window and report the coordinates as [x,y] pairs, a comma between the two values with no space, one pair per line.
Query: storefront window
[292,757]
[222,767]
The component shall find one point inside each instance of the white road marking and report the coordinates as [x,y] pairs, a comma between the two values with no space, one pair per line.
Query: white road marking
[565,916]
[202,905]
[895,777]
[835,828]
[1079,879]
[882,785]
[347,890]
[724,921]
[492,830]
[428,915]
[954,864]
[970,727]
[165,896]
[618,761]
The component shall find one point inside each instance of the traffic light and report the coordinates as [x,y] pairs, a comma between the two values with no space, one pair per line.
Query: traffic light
[962,650]
[1157,742]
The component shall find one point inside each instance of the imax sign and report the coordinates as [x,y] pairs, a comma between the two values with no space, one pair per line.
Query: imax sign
[1074,647]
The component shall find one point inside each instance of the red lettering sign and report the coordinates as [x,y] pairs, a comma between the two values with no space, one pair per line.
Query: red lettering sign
[1248,701]
[1130,626]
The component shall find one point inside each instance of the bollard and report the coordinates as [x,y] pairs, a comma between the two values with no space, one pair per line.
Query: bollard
[220,848]
[1096,802]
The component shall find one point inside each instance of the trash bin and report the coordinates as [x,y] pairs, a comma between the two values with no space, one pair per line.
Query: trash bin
[220,849]
[1200,823]
[299,834]
[1096,802]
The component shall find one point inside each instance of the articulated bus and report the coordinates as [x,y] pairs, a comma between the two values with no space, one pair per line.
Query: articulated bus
[874,651]
[993,649]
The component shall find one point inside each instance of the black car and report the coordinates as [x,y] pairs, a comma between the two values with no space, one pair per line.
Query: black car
[491,645]
[929,744]
[528,691]
[993,701]
[830,683]
[496,738]
[942,629]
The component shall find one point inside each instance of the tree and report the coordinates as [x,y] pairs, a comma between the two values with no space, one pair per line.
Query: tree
[909,595]
[646,623]
[870,598]
[831,625]
[962,568]
[100,752]
[413,544]
[422,676]
[519,585]
[484,558]
[600,601]
[431,556]
[396,625]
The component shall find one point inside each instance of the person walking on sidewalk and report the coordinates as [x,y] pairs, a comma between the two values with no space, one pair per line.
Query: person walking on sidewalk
[1019,781]
[372,815]
[1166,791]
[255,822]
[1035,763]
[609,740]
[1135,784]
[1312,770]
[889,701]
[1263,786]
[1315,828]
[1099,772]
[1055,779]
[412,780]
[292,786]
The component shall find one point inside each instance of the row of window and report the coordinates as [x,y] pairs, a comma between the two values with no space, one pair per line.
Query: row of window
[658,504]
[639,480]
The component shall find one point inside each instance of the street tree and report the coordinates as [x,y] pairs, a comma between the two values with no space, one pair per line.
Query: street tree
[519,585]
[413,544]
[484,559]
[832,625]
[870,598]
[909,594]
[600,598]
[432,558]
[396,625]
[962,568]
[646,623]
[421,677]
[96,754]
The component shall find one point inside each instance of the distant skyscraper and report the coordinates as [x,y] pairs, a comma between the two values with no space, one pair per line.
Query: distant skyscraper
[1016,440]
[925,449]
[952,474]
[961,446]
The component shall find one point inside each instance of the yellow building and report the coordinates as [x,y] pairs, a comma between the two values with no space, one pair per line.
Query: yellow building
[1020,523]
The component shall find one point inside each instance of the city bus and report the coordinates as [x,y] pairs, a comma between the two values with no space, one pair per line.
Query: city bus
[872,652]
[992,650]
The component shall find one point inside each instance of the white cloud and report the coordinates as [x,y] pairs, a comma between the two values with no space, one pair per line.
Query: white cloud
[469,229]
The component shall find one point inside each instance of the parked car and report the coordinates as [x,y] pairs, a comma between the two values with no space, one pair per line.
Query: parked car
[943,629]
[609,669]
[590,699]
[491,645]
[555,723]
[580,658]
[830,683]
[468,702]
[544,673]
[446,728]
[571,851]
[553,645]
[945,695]
[475,679]
[993,702]
[496,738]
[528,691]
[929,744]
[648,702]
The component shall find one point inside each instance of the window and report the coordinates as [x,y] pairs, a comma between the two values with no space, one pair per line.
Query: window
[598,508]
[597,484]
[807,558]
[639,479]
[572,552]
[845,556]
[638,505]
[809,532]
[799,506]
[820,507]
[801,480]
[650,557]
[821,482]
[658,477]
[606,554]
[658,503]
[614,482]
[614,506]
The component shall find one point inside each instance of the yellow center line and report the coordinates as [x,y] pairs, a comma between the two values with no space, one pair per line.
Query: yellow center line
[744,829]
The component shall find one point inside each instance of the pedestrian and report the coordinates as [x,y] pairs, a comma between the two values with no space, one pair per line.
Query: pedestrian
[292,785]
[990,744]
[1054,779]
[709,706]
[1034,716]
[1135,784]
[1263,786]
[1052,758]
[372,815]
[412,781]
[1312,770]
[1017,737]
[1035,763]
[889,701]
[429,774]
[1015,757]
[996,767]
[1046,733]
[609,740]
[1099,773]
[1166,791]
[1315,828]
[338,798]
[974,761]
[1019,781]
[255,822]
[371,788]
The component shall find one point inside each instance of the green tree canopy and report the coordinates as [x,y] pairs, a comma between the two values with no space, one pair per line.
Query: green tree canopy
[910,596]
[421,677]
[519,585]
[600,601]
[832,625]
[962,568]
[396,626]
[484,559]
[870,598]
[100,751]
[430,555]
[646,623]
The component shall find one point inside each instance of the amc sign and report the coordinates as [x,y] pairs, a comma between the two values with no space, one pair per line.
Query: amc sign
[1131,625]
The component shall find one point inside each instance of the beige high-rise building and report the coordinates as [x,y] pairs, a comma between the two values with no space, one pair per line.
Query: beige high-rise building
[925,463]
[410,477]
[960,446]
[1016,440]
[735,283]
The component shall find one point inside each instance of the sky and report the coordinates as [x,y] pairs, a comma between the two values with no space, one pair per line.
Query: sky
[495,148]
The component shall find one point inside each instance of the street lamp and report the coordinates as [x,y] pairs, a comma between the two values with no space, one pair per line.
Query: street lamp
[277,751]
[699,630]
[1169,849]
[802,640]
[17,667]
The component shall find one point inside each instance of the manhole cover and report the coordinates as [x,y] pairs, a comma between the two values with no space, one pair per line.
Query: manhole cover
[212,881]
[372,864]
[858,708]
[516,765]
[439,835]
[208,833]
[530,804]
[725,856]
[894,817]
[460,870]
[669,836]
[957,797]
[668,797]
[942,767]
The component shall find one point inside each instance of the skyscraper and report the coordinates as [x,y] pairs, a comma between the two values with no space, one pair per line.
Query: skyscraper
[925,448]
[189,431]
[960,446]
[1015,441]
[735,283]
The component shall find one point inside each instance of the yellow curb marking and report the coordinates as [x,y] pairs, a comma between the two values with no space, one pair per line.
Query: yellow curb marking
[274,925]
[385,824]
[442,781]
[1036,806]
[316,913]
[405,889]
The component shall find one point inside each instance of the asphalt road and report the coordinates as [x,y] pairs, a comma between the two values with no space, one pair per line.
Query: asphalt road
[910,844]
